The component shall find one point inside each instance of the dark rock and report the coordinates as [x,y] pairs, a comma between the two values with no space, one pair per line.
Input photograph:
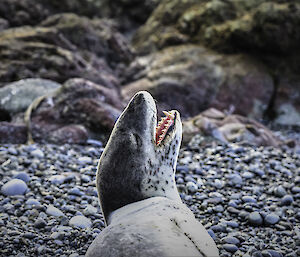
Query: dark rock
[230,248]
[130,13]
[12,133]
[226,26]
[40,223]
[31,12]
[255,219]
[60,54]
[90,106]
[192,79]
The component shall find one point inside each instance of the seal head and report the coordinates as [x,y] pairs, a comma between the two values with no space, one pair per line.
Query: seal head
[139,160]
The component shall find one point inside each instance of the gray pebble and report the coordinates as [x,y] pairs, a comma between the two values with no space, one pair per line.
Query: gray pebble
[38,153]
[23,176]
[53,211]
[271,219]
[80,222]
[230,248]
[14,187]
[287,200]
[255,218]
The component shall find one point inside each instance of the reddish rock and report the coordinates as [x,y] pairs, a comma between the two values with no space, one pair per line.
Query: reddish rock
[12,133]
[78,102]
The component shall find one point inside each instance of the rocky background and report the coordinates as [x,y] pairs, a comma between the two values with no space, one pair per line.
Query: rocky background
[68,68]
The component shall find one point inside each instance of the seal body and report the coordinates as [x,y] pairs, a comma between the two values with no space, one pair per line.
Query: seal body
[137,190]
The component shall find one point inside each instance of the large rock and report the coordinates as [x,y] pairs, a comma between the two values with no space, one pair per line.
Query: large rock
[31,12]
[17,96]
[13,133]
[78,110]
[61,47]
[191,79]
[258,25]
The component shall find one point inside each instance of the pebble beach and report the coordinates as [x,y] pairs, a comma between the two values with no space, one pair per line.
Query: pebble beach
[246,197]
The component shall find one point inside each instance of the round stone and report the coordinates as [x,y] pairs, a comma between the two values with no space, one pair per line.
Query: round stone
[287,200]
[280,191]
[191,187]
[85,160]
[271,219]
[57,179]
[32,201]
[80,222]
[255,218]
[23,176]
[53,211]
[248,199]
[38,153]
[14,187]
[40,223]
[230,248]
[230,240]
[236,179]
[247,175]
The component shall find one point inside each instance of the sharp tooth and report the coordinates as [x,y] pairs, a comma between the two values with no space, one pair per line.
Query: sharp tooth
[166,113]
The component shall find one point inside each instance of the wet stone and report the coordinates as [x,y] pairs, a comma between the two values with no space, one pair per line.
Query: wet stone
[255,218]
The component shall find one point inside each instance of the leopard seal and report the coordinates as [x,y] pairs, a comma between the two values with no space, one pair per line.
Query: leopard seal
[136,187]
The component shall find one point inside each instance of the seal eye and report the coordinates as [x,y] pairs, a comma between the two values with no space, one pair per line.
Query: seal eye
[164,125]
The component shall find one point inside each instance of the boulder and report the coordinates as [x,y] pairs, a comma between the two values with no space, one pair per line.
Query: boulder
[192,78]
[78,110]
[17,96]
[258,25]
[31,12]
[64,46]
[229,128]
[12,133]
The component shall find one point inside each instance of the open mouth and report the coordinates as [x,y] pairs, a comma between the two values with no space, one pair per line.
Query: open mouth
[164,126]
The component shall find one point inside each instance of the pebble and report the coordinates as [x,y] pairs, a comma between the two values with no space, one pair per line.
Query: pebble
[53,211]
[85,160]
[38,153]
[230,248]
[57,179]
[80,222]
[14,187]
[191,187]
[280,191]
[230,240]
[271,219]
[32,201]
[287,200]
[40,223]
[255,218]
[23,176]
